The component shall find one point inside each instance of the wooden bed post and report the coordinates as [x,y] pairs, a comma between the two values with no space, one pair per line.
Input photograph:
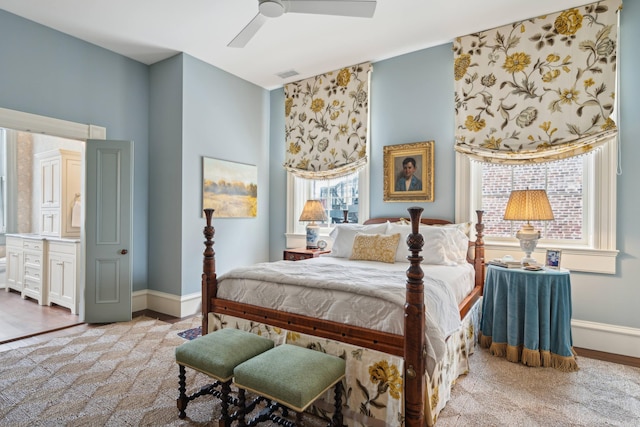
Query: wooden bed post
[414,328]
[209,281]
[478,259]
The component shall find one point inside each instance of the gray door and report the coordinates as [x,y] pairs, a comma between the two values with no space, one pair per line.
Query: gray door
[108,230]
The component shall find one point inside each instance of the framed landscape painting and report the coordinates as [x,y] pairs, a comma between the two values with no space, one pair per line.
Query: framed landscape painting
[230,188]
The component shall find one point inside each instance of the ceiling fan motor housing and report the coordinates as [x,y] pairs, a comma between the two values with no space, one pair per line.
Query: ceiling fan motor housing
[271,8]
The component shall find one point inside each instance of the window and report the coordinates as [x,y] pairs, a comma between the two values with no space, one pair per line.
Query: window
[563,182]
[582,193]
[349,193]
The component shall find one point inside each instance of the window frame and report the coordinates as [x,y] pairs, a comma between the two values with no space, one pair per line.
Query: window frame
[598,254]
[3,185]
[298,193]
[587,201]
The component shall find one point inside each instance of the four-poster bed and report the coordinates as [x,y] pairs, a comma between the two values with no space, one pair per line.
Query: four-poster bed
[418,406]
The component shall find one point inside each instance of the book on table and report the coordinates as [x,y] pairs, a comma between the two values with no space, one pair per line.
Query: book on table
[506,264]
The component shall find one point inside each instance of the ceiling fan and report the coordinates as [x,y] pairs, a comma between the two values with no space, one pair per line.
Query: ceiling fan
[275,8]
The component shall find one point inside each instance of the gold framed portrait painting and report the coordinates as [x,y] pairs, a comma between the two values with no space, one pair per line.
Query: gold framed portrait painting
[408,172]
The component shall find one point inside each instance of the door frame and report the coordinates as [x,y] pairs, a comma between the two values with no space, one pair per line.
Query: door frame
[33,123]
[27,122]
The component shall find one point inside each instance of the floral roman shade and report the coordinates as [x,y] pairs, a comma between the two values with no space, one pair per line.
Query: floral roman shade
[538,90]
[327,122]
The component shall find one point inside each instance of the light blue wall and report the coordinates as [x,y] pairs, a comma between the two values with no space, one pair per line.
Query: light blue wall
[198,110]
[45,72]
[603,298]
[226,118]
[165,175]
[277,177]
[412,100]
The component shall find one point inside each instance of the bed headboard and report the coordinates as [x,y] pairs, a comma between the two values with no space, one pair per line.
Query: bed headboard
[427,221]
[476,247]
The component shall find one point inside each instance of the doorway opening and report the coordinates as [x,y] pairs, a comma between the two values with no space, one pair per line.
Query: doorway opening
[39,277]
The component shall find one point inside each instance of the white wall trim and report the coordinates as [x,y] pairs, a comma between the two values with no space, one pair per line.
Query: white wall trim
[173,305]
[27,122]
[606,338]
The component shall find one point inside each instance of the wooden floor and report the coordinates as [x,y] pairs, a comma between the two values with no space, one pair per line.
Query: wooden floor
[23,322]
[22,318]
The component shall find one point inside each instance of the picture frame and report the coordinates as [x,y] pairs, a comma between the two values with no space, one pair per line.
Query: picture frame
[552,259]
[230,188]
[414,184]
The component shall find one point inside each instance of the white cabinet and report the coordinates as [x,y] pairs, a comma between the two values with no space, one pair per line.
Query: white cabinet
[62,274]
[60,190]
[33,253]
[45,269]
[50,177]
[14,263]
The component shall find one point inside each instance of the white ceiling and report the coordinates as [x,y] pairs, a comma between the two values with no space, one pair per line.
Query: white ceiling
[152,30]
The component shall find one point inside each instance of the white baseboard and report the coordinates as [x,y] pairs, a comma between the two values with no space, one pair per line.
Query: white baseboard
[607,338]
[173,305]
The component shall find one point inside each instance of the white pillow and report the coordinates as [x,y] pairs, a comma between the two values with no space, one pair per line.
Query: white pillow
[343,236]
[458,245]
[465,227]
[442,245]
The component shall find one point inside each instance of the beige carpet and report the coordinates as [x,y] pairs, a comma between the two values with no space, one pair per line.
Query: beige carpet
[125,375]
[122,374]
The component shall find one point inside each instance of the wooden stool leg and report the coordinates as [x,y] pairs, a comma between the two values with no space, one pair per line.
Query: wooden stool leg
[225,420]
[242,408]
[337,413]
[299,419]
[182,401]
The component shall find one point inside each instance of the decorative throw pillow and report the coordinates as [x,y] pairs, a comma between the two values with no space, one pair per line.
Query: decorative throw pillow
[375,247]
[343,236]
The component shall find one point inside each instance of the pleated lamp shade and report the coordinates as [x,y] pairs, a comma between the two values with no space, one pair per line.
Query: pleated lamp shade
[528,205]
[313,211]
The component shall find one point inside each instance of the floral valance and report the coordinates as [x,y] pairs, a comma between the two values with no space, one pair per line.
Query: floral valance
[538,90]
[327,122]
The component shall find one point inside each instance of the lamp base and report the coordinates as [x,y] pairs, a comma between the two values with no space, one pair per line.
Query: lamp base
[528,238]
[313,234]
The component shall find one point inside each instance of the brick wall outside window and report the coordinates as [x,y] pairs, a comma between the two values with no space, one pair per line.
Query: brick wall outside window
[563,182]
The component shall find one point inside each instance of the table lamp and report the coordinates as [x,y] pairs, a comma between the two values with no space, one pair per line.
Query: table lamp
[313,211]
[528,205]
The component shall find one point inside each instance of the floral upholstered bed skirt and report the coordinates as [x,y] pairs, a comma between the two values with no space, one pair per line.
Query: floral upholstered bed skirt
[374,380]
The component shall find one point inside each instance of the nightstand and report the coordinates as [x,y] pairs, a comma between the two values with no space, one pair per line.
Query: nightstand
[302,253]
[526,317]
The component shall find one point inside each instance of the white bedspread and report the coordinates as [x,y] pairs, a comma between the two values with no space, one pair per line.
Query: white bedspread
[360,293]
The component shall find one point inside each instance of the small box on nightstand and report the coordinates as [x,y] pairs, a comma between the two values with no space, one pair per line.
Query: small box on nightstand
[302,253]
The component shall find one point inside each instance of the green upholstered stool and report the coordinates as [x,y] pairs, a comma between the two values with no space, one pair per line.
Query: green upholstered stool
[216,355]
[293,377]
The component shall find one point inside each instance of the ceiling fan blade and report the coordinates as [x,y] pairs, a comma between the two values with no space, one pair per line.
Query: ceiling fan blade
[248,32]
[362,8]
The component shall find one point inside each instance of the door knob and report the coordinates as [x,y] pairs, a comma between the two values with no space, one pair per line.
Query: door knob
[124,251]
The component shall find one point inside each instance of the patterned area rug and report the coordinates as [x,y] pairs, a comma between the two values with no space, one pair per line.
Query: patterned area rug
[123,374]
[191,334]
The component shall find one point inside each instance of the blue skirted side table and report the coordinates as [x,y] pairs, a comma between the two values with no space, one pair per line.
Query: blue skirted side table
[526,317]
